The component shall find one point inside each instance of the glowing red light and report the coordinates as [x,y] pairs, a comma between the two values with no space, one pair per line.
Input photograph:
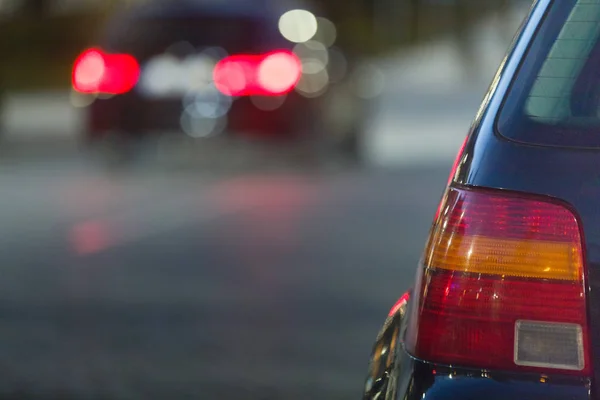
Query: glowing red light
[482,273]
[89,70]
[98,72]
[279,72]
[233,75]
[270,74]
[399,304]
[90,237]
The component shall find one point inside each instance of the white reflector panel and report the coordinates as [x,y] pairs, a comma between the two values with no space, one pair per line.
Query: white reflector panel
[551,345]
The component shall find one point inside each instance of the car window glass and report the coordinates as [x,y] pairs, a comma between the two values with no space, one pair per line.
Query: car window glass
[555,97]
[549,99]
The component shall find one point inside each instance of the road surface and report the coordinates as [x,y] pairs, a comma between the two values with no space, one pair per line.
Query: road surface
[181,284]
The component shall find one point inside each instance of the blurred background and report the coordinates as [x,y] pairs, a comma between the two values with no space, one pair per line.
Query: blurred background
[209,262]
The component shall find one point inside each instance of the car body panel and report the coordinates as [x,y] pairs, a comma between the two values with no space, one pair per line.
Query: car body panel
[570,175]
[431,382]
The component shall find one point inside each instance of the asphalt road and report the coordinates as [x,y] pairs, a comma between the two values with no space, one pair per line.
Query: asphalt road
[176,283]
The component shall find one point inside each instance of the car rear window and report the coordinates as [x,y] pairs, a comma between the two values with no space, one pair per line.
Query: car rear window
[148,37]
[555,98]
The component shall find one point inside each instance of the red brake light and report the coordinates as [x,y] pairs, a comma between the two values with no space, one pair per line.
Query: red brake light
[279,72]
[502,286]
[98,72]
[233,75]
[271,74]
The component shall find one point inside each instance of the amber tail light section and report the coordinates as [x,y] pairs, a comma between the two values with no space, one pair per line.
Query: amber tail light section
[502,286]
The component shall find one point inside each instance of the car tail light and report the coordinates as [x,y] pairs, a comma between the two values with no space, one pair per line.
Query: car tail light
[95,71]
[271,74]
[401,302]
[279,72]
[502,286]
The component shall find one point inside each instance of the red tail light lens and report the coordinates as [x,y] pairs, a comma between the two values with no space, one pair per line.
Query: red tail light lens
[502,286]
[279,72]
[95,71]
[271,74]
[234,75]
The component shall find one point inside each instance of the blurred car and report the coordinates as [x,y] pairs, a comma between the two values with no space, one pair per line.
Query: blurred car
[506,301]
[255,68]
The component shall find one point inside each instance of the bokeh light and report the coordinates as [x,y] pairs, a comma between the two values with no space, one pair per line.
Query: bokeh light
[96,71]
[209,103]
[298,25]
[279,72]
[326,32]
[197,126]
[231,76]
[160,76]
[312,50]
[313,85]
[90,237]
[198,72]
[89,71]
[312,66]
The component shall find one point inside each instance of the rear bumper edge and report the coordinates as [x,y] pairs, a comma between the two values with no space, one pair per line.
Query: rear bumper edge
[419,380]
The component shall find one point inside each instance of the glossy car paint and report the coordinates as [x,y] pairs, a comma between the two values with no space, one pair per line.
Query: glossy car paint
[492,161]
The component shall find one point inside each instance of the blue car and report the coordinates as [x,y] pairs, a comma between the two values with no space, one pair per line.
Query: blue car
[506,300]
